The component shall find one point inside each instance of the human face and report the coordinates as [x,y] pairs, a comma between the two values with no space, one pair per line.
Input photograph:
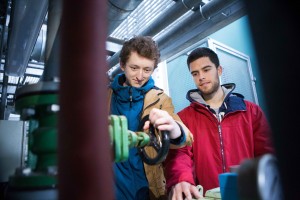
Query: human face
[206,75]
[137,70]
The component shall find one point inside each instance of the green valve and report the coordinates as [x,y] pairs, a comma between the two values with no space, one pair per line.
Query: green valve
[123,139]
[143,139]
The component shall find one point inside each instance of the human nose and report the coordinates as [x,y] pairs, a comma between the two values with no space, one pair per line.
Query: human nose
[201,76]
[140,74]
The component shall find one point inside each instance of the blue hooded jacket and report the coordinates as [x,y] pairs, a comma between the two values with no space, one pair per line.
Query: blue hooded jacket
[130,178]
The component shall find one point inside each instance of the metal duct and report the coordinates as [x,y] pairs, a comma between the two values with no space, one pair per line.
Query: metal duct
[203,14]
[118,11]
[171,15]
[165,19]
[196,27]
[185,36]
[38,52]
[26,21]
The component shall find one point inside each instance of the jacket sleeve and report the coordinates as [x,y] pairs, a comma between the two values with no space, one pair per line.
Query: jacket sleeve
[168,106]
[179,166]
[263,142]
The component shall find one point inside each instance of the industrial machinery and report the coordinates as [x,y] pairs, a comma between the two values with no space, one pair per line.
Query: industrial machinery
[123,138]
[38,104]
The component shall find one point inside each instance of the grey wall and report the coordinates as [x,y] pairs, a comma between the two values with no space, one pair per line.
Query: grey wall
[11,147]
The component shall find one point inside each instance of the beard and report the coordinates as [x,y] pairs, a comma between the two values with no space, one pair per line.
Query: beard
[211,90]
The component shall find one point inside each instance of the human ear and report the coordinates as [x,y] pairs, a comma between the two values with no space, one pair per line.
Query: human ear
[220,70]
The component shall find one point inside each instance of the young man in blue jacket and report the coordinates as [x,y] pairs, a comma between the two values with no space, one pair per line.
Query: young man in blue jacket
[134,95]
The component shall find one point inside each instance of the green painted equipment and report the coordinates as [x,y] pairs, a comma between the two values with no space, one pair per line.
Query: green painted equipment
[38,104]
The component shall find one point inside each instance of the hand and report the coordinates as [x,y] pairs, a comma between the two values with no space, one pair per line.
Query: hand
[163,121]
[184,190]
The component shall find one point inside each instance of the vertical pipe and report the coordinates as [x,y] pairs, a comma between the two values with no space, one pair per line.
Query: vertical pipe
[3,100]
[3,103]
[85,163]
[52,57]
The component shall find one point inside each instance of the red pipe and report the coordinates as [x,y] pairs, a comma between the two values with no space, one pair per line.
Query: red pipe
[84,152]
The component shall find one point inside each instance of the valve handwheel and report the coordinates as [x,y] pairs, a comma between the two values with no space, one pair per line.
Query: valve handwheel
[159,141]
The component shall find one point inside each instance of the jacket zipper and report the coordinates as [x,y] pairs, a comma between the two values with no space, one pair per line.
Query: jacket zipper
[221,143]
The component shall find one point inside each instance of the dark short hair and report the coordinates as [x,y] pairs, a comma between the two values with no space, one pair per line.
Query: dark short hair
[144,45]
[203,52]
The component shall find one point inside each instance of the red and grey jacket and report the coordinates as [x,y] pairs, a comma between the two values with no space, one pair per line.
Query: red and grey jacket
[238,131]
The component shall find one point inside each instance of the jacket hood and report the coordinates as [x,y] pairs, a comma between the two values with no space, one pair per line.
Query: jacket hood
[195,94]
[232,101]
[128,100]
[126,92]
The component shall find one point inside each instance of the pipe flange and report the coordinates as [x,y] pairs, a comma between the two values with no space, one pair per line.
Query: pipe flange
[42,87]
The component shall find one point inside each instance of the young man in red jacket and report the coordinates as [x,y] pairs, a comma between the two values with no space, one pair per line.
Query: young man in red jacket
[227,129]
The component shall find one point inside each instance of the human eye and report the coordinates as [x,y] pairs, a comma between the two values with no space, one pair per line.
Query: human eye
[194,74]
[133,68]
[147,70]
[207,69]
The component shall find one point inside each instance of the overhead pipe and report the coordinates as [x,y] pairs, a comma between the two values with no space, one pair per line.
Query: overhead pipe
[165,19]
[203,14]
[118,11]
[26,20]
[115,40]
[171,15]
[85,157]
[208,25]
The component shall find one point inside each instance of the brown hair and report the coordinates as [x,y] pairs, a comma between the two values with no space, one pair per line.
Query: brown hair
[144,45]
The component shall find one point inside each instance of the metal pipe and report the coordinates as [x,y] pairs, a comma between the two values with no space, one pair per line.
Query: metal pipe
[118,11]
[5,77]
[51,70]
[171,15]
[26,20]
[85,161]
[3,111]
[207,11]
[165,19]
[182,28]
[195,34]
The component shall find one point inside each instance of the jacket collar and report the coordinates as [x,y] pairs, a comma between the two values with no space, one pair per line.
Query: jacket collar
[125,93]
[195,94]
[232,101]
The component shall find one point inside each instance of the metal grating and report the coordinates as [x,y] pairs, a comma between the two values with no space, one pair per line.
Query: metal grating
[32,75]
[140,18]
